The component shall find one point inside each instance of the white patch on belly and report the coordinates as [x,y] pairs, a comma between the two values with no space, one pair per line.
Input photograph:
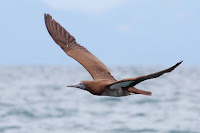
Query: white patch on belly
[116,92]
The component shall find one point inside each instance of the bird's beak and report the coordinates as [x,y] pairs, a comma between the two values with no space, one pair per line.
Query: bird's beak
[72,86]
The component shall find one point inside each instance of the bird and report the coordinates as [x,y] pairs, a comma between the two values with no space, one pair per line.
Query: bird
[103,83]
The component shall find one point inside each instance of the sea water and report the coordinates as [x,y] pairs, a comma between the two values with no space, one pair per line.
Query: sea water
[35,99]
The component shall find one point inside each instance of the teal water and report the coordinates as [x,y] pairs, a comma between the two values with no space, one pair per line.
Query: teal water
[35,99]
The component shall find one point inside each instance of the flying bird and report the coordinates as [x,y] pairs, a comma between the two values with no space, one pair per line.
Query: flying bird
[103,84]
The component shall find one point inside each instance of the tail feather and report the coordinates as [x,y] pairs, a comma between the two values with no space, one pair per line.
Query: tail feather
[138,91]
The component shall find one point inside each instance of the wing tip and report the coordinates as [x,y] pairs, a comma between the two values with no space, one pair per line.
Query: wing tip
[47,14]
[61,36]
[173,67]
[180,62]
[177,64]
[47,17]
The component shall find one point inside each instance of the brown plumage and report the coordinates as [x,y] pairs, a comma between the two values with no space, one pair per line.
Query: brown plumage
[104,83]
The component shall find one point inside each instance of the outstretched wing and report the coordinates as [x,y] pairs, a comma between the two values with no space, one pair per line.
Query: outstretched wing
[133,81]
[68,43]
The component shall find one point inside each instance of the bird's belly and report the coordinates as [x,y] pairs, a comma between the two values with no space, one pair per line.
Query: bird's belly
[116,92]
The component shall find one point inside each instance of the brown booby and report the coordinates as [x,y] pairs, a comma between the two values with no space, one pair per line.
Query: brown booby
[103,84]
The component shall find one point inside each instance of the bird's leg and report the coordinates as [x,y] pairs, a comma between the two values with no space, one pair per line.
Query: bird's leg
[137,91]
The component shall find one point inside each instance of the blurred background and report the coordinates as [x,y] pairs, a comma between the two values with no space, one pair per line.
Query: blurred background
[127,32]
[132,37]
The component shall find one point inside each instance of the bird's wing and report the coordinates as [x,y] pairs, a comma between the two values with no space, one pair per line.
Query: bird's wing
[68,43]
[133,81]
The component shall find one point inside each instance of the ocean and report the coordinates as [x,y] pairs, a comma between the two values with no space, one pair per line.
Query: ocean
[35,99]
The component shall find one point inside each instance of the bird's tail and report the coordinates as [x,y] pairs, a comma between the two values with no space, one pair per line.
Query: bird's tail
[138,91]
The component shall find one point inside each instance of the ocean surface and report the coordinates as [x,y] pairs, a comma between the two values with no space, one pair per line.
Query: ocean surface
[35,99]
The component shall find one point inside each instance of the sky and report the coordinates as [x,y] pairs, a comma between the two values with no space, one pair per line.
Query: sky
[118,32]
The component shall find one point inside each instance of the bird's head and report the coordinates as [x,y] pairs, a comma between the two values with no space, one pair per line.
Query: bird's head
[79,85]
